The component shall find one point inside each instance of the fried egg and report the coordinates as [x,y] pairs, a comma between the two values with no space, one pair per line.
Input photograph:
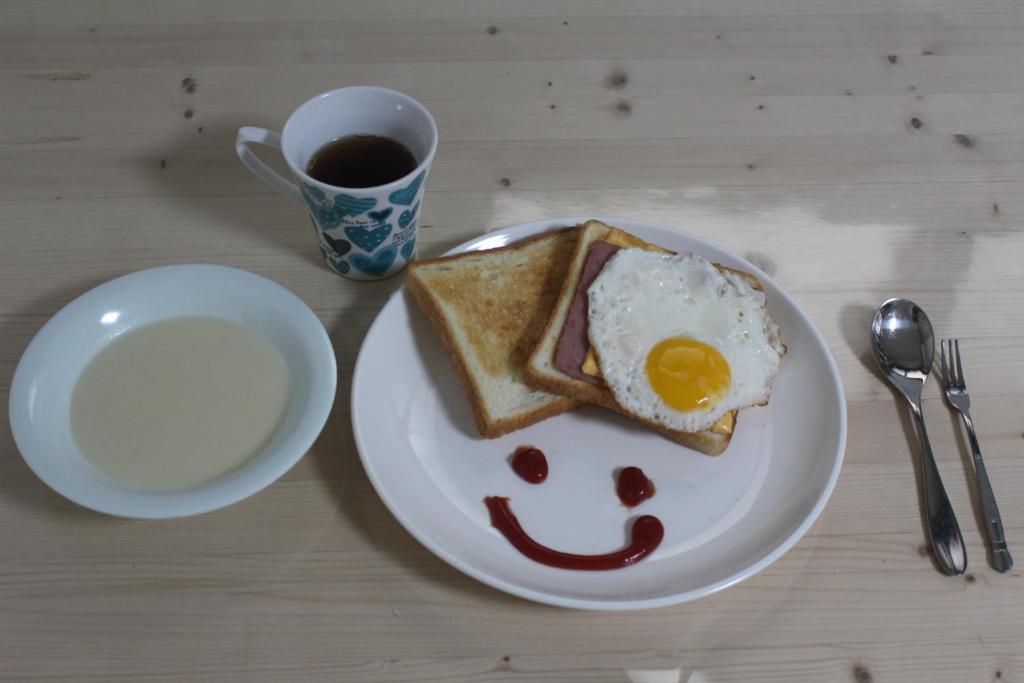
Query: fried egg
[680,342]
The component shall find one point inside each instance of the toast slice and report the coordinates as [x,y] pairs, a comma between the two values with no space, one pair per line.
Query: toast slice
[490,308]
[542,373]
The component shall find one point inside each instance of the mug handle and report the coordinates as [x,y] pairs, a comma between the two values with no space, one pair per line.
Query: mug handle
[261,136]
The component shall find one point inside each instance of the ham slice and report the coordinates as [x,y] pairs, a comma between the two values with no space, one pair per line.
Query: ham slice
[574,342]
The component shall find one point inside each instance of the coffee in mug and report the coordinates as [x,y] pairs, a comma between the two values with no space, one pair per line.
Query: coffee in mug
[361,161]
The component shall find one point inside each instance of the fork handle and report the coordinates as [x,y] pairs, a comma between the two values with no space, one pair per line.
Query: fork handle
[944,533]
[1001,559]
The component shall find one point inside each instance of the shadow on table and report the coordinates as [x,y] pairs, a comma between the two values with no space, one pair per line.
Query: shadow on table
[199,171]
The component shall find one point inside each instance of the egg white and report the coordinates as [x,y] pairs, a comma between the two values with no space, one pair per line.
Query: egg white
[641,298]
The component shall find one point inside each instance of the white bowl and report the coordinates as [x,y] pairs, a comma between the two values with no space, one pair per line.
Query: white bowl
[40,397]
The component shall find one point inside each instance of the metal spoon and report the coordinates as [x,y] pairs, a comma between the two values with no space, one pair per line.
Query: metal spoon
[904,347]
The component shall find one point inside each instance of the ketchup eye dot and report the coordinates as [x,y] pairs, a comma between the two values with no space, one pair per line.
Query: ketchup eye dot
[634,487]
[530,464]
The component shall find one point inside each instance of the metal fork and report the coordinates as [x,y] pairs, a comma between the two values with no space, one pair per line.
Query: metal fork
[956,394]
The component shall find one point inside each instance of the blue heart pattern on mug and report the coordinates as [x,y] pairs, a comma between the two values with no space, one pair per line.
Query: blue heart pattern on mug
[407,194]
[353,206]
[321,207]
[408,216]
[375,265]
[380,216]
[340,266]
[339,246]
[368,239]
[408,248]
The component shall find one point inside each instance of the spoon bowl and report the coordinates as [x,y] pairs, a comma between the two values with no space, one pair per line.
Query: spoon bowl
[904,344]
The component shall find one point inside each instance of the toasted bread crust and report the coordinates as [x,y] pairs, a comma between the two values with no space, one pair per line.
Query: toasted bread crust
[707,441]
[489,426]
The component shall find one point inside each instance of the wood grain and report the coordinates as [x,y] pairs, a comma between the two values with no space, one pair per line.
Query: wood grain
[853,151]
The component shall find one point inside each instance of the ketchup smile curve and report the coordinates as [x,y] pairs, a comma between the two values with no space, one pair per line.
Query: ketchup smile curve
[646,536]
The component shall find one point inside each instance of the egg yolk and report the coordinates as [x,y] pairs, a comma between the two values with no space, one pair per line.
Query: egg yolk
[688,374]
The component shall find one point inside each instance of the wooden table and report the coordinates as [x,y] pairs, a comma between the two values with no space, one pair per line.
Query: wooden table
[853,150]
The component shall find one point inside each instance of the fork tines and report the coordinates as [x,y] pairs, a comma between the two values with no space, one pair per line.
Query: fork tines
[952,368]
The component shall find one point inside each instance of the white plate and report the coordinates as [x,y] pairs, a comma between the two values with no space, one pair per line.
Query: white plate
[40,396]
[725,517]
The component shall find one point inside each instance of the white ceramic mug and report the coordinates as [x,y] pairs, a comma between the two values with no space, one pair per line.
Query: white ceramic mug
[364,233]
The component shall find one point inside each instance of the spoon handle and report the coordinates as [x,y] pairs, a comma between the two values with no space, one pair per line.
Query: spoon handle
[947,543]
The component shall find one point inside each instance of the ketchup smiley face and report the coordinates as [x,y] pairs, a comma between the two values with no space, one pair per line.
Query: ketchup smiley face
[633,488]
